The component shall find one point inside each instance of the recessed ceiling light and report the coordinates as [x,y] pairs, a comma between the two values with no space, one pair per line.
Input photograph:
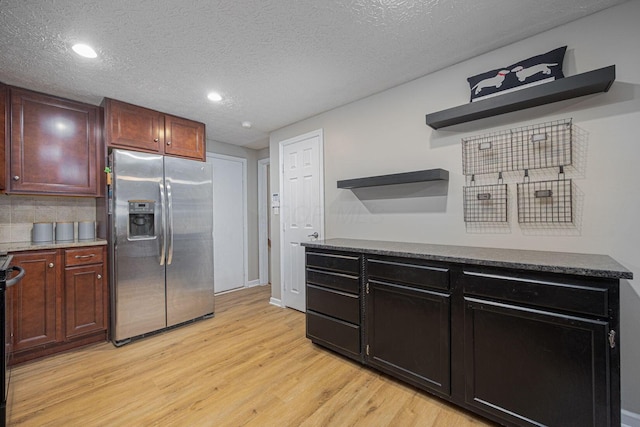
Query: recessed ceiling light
[246,124]
[84,50]
[214,96]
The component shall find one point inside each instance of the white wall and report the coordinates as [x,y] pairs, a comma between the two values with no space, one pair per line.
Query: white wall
[386,133]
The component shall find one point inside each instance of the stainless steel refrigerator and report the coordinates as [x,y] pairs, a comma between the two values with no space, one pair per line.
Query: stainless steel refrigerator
[161,246]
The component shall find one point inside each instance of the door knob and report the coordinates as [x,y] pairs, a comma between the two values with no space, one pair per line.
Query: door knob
[168,142]
[99,276]
[50,265]
[315,234]
[16,178]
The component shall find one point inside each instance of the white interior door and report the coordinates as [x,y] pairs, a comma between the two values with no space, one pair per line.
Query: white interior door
[302,210]
[229,222]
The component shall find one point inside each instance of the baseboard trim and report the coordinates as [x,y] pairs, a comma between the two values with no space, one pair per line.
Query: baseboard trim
[253,283]
[275,301]
[630,419]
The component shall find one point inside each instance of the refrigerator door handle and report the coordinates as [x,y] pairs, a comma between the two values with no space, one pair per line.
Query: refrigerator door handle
[170,228]
[163,235]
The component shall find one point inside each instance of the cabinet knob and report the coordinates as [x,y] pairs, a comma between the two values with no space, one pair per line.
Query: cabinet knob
[168,142]
[99,276]
[50,265]
[155,139]
[16,178]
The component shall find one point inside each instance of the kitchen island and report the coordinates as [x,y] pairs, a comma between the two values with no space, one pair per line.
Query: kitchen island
[520,337]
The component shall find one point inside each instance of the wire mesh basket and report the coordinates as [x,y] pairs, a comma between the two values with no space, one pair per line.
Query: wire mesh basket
[485,203]
[544,145]
[545,201]
[486,154]
[538,146]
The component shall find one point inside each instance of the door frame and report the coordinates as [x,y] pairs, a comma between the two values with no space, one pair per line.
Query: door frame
[245,227]
[316,133]
[263,218]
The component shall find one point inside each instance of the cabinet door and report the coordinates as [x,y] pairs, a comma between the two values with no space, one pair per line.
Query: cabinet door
[184,138]
[3,134]
[53,145]
[132,127]
[35,321]
[84,296]
[408,334]
[533,367]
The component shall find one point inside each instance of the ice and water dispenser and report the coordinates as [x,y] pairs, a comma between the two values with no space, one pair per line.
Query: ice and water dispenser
[141,219]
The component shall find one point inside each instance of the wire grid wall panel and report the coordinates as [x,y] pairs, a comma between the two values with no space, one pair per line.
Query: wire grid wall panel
[485,203]
[489,153]
[544,145]
[545,202]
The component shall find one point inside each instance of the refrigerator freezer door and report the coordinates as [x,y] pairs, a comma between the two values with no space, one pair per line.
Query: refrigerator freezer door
[189,266]
[138,291]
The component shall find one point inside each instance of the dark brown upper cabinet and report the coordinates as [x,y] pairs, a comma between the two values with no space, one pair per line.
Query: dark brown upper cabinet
[3,134]
[54,146]
[141,129]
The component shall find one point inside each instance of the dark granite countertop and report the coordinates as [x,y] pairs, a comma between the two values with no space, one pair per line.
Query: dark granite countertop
[29,246]
[543,261]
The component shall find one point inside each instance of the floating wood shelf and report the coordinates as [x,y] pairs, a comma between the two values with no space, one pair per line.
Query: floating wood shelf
[566,88]
[396,178]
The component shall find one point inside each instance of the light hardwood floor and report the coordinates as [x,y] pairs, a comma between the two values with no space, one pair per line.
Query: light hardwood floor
[249,365]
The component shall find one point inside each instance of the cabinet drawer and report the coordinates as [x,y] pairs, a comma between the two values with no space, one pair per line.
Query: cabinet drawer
[334,262]
[339,281]
[538,292]
[422,276]
[334,303]
[81,256]
[333,333]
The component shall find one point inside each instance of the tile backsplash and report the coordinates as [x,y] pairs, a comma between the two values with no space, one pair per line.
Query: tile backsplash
[18,213]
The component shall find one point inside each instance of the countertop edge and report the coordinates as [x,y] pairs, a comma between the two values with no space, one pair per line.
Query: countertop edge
[610,273]
[29,246]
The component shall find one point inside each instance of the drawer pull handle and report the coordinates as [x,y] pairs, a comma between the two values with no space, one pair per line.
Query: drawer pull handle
[50,265]
[99,276]
[85,256]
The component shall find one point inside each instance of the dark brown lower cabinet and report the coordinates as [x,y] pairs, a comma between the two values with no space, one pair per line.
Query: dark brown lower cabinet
[522,348]
[35,321]
[61,303]
[334,314]
[535,367]
[84,300]
[408,334]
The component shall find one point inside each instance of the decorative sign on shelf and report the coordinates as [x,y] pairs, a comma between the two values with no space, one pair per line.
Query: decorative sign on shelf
[525,73]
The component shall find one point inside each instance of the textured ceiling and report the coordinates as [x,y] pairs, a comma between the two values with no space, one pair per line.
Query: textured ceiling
[275,62]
